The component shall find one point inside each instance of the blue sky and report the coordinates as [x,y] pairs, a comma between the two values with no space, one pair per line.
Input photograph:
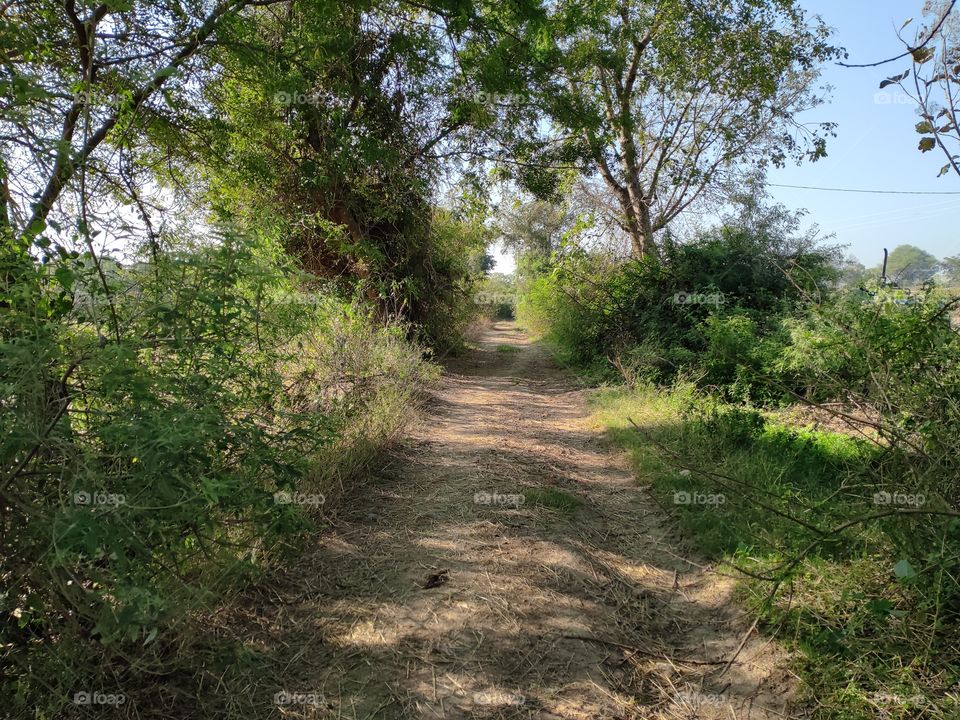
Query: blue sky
[875,147]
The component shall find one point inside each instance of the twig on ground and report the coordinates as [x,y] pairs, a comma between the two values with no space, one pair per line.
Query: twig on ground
[640,651]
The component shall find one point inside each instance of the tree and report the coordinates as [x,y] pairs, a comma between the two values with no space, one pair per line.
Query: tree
[909,265]
[326,127]
[667,100]
[79,78]
[951,268]
[852,272]
[533,231]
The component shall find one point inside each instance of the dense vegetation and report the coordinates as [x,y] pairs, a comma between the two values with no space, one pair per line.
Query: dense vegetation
[235,236]
[224,269]
[822,415]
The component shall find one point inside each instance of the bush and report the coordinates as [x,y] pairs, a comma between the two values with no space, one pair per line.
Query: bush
[157,421]
[871,610]
[442,279]
[714,307]
[901,360]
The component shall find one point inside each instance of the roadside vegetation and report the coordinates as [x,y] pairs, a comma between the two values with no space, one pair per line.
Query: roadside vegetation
[238,236]
[799,432]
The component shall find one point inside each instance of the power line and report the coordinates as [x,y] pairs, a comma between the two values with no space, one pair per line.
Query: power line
[874,192]
[910,50]
[872,220]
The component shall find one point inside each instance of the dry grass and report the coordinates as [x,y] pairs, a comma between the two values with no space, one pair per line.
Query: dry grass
[590,613]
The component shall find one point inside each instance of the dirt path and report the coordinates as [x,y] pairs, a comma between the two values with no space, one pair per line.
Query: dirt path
[500,638]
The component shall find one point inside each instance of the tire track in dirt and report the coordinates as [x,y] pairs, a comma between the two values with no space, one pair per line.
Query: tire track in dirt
[502,637]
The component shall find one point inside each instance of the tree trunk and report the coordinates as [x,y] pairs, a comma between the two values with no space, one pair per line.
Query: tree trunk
[639,227]
[643,246]
[634,229]
[633,201]
[5,203]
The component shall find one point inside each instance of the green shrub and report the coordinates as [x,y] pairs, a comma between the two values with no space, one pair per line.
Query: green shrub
[441,281]
[714,307]
[503,311]
[871,611]
[155,428]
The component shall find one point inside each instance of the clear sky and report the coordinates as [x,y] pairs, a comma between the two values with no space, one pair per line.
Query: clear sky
[875,147]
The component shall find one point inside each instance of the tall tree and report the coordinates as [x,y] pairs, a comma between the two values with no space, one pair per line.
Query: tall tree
[79,78]
[951,268]
[909,265]
[533,231]
[666,100]
[332,144]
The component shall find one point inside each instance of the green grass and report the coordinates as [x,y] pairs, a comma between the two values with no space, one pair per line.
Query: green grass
[866,641]
[551,498]
[507,349]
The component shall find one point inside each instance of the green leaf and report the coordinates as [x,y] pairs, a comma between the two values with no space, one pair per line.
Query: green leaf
[944,170]
[904,570]
[880,607]
[35,228]
[927,144]
[924,127]
[894,79]
[64,276]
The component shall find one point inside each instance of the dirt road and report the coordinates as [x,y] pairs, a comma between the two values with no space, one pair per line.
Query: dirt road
[541,607]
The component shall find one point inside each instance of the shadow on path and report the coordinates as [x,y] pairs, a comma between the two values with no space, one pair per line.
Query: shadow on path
[525,583]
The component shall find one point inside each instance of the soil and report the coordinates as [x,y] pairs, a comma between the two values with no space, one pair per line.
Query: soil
[504,563]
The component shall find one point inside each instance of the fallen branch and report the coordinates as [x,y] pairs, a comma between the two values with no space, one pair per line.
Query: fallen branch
[639,651]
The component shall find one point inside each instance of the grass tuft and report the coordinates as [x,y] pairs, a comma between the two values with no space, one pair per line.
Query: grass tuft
[552,498]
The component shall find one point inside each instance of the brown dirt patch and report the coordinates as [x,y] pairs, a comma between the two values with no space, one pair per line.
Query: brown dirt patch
[540,606]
